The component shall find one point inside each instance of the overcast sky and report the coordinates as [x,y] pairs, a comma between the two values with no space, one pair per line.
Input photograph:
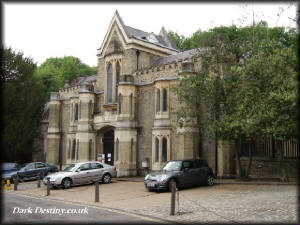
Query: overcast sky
[56,30]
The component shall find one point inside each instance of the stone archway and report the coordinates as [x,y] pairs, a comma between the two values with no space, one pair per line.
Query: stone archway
[105,144]
[108,146]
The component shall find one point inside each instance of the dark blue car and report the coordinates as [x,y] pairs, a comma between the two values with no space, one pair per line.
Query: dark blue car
[31,171]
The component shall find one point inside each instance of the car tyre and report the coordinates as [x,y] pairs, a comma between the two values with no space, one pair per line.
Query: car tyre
[66,183]
[210,180]
[169,184]
[106,178]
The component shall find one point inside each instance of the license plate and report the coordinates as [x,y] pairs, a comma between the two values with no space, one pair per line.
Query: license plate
[151,185]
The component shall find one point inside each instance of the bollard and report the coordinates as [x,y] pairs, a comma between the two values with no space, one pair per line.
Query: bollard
[48,186]
[96,191]
[15,183]
[39,181]
[173,191]
[8,187]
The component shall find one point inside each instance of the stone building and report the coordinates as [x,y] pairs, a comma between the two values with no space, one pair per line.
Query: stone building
[124,115]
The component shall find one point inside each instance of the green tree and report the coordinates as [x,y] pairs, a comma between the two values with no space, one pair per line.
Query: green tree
[270,94]
[226,103]
[23,102]
[55,71]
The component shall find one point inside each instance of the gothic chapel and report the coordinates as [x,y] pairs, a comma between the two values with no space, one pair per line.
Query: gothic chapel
[124,114]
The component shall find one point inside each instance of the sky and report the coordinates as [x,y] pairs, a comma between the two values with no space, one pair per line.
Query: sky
[44,30]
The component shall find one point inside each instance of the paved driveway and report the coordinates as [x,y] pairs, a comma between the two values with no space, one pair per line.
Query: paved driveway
[222,203]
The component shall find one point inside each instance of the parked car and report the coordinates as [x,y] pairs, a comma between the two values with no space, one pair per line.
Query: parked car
[8,170]
[82,173]
[33,170]
[185,173]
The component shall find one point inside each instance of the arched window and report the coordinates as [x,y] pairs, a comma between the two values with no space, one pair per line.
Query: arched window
[79,109]
[117,149]
[76,112]
[164,149]
[73,149]
[109,83]
[72,111]
[158,101]
[77,151]
[90,109]
[165,100]
[156,149]
[131,103]
[70,150]
[117,78]
[131,150]
[90,149]
[120,103]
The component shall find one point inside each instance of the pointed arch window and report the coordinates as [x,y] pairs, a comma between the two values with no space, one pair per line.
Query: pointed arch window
[164,149]
[131,150]
[76,112]
[120,103]
[70,150]
[165,100]
[156,149]
[131,103]
[109,83]
[73,149]
[117,149]
[117,78]
[77,150]
[90,149]
[158,101]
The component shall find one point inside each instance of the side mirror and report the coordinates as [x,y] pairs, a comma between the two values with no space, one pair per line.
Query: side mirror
[186,169]
[78,170]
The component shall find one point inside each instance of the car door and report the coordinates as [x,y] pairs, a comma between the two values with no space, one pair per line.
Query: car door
[189,173]
[40,169]
[82,174]
[201,171]
[96,171]
[29,171]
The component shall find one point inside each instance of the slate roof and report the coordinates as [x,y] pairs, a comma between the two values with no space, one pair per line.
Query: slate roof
[81,80]
[177,57]
[142,35]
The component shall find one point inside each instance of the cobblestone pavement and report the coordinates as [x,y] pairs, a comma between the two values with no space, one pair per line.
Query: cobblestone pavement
[222,203]
[258,204]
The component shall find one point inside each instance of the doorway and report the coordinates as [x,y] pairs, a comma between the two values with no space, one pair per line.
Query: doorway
[108,146]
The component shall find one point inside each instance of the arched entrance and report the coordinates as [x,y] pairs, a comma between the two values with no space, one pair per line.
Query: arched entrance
[108,146]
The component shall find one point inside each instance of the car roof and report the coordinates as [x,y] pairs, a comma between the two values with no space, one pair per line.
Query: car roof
[80,163]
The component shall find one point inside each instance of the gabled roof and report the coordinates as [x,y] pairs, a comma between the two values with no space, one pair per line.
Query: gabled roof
[177,57]
[161,42]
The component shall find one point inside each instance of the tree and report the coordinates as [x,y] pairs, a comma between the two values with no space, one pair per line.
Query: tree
[23,102]
[55,71]
[270,93]
[225,94]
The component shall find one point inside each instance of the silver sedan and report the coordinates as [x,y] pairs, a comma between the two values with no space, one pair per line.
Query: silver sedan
[82,173]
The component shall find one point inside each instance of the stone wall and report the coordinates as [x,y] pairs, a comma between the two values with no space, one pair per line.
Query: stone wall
[145,119]
[269,168]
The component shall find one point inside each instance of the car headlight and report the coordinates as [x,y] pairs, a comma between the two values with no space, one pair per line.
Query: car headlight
[147,177]
[162,178]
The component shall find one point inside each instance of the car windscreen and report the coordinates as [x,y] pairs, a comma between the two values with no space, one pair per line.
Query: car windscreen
[172,166]
[69,168]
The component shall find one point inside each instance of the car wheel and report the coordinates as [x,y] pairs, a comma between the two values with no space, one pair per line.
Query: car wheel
[66,183]
[210,181]
[170,184]
[106,178]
